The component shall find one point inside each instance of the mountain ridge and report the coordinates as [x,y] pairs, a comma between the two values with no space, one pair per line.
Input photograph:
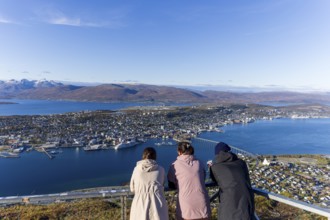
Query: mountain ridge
[51,90]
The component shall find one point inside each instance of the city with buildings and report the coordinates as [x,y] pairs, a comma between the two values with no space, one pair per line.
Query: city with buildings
[308,182]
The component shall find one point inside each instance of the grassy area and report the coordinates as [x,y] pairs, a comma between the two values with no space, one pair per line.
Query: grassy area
[317,160]
[76,210]
[272,210]
[89,209]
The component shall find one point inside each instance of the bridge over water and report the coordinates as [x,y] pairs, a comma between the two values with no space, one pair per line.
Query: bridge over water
[236,150]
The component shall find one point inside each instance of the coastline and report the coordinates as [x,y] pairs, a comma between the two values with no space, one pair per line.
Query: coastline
[8,103]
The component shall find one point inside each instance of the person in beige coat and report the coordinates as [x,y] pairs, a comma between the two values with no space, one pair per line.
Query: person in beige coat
[147,184]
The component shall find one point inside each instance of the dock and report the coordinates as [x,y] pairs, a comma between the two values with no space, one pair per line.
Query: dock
[50,156]
[9,155]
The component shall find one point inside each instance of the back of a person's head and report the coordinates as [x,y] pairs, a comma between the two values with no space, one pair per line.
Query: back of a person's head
[185,148]
[149,153]
[221,147]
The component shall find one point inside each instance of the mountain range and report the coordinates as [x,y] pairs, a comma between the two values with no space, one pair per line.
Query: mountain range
[51,90]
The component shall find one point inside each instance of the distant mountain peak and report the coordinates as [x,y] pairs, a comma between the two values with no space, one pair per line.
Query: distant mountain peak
[49,89]
[12,87]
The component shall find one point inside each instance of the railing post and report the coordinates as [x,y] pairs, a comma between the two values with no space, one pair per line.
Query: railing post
[122,208]
[125,207]
[123,200]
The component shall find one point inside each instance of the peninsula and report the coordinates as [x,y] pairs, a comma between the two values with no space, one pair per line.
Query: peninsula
[108,128]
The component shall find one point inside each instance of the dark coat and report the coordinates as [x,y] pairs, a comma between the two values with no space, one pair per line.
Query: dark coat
[236,194]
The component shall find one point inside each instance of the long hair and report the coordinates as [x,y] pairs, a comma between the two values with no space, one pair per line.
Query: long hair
[185,148]
[149,153]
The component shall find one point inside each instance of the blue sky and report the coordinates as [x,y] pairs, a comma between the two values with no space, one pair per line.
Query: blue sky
[268,44]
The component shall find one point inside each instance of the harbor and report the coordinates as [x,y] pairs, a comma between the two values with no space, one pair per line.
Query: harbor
[9,155]
[116,130]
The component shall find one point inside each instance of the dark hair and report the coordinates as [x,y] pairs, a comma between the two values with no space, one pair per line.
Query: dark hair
[149,153]
[186,148]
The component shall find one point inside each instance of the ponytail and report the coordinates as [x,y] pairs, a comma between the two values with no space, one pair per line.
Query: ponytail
[185,148]
[149,153]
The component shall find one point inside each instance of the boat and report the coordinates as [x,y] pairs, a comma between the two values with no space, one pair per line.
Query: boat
[126,144]
[93,147]
[49,145]
[168,143]
[55,151]
[9,155]
[77,143]
[18,150]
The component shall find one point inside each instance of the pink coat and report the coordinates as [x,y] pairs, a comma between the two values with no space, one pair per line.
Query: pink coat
[188,174]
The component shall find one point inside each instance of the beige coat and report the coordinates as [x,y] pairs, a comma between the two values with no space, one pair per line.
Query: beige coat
[147,185]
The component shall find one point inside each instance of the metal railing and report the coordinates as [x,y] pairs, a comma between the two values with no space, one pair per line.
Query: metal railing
[123,193]
[294,203]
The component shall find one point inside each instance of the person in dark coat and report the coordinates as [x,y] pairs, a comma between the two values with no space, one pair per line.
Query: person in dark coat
[235,191]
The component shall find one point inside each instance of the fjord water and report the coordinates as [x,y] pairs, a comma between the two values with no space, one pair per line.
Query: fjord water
[46,107]
[74,168]
[280,136]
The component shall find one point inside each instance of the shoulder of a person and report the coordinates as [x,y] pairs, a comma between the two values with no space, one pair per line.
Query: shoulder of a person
[241,160]
[199,162]
[161,167]
[174,162]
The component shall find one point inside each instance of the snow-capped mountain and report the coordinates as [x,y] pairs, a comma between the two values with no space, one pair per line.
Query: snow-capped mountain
[28,84]
[15,86]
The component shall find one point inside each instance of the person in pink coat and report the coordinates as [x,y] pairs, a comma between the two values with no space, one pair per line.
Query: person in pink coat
[187,175]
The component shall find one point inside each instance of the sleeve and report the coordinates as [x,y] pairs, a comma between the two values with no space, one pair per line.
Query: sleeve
[202,168]
[132,182]
[171,177]
[162,175]
[212,175]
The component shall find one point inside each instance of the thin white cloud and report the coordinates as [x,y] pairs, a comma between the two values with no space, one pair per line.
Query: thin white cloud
[56,17]
[65,21]
[4,20]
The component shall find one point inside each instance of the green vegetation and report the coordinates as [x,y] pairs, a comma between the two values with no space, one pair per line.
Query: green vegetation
[82,209]
[272,210]
[318,159]
[89,209]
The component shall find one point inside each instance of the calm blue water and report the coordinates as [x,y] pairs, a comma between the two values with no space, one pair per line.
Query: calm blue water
[46,107]
[281,136]
[34,173]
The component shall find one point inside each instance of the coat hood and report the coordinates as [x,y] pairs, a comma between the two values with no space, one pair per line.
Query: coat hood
[188,159]
[147,165]
[225,157]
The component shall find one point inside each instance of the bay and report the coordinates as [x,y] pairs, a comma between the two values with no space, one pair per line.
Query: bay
[74,168]
[279,136]
[35,173]
[46,107]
